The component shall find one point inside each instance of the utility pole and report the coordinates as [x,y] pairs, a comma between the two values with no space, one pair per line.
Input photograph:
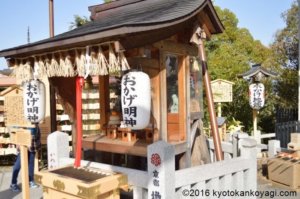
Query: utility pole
[51,18]
[28,35]
[52,89]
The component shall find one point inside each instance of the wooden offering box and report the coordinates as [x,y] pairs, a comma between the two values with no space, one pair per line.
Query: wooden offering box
[76,183]
[285,171]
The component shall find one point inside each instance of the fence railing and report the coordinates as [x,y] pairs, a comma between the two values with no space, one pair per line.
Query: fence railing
[222,177]
[162,181]
[227,147]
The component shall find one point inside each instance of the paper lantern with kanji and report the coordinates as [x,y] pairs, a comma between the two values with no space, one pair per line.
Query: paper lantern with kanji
[257,96]
[136,100]
[34,100]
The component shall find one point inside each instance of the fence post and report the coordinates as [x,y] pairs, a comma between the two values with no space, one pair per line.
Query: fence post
[236,137]
[235,148]
[273,146]
[248,150]
[161,170]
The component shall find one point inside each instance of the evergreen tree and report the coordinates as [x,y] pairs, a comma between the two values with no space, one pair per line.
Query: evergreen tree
[285,57]
[230,54]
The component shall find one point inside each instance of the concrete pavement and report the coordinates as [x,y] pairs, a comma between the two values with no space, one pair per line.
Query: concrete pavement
[6,193]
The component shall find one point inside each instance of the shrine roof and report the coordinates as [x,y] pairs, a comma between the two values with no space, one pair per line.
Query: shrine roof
[112,21]
[257,69]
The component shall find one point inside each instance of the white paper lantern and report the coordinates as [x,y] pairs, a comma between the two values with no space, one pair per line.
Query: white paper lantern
[34,100]
[136,100]
[257,96]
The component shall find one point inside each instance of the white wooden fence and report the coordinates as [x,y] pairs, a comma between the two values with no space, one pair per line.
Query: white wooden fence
[204,181]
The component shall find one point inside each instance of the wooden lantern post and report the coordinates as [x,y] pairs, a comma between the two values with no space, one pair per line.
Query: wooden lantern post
[256,92]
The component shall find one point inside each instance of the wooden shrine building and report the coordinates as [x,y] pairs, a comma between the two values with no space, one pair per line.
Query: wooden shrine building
[162,38]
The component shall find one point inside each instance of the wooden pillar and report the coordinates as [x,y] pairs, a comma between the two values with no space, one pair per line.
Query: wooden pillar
[197,39]
[79,84]
[104,99]
[163,99]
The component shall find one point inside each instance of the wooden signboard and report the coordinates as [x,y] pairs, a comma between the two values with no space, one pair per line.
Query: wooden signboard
[222,90]
[14,110]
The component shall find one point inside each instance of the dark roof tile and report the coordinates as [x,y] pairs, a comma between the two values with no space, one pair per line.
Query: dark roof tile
[140,14]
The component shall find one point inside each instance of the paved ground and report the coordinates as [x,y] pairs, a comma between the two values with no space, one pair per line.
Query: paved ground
[6,193]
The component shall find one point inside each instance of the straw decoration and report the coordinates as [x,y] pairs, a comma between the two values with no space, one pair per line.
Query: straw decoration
[123,62]
[80,63]
[77,61]
[18,72]
[60,63]
[35,69]
[25,72]
[14,71]
[114,66]
[94,67]
[102,62]
[42,69]
[60,66]
[98,63]
[87,63]
[47,67]
[69,70]
[52,67]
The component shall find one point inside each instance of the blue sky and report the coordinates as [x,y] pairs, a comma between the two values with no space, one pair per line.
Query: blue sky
[261,17]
